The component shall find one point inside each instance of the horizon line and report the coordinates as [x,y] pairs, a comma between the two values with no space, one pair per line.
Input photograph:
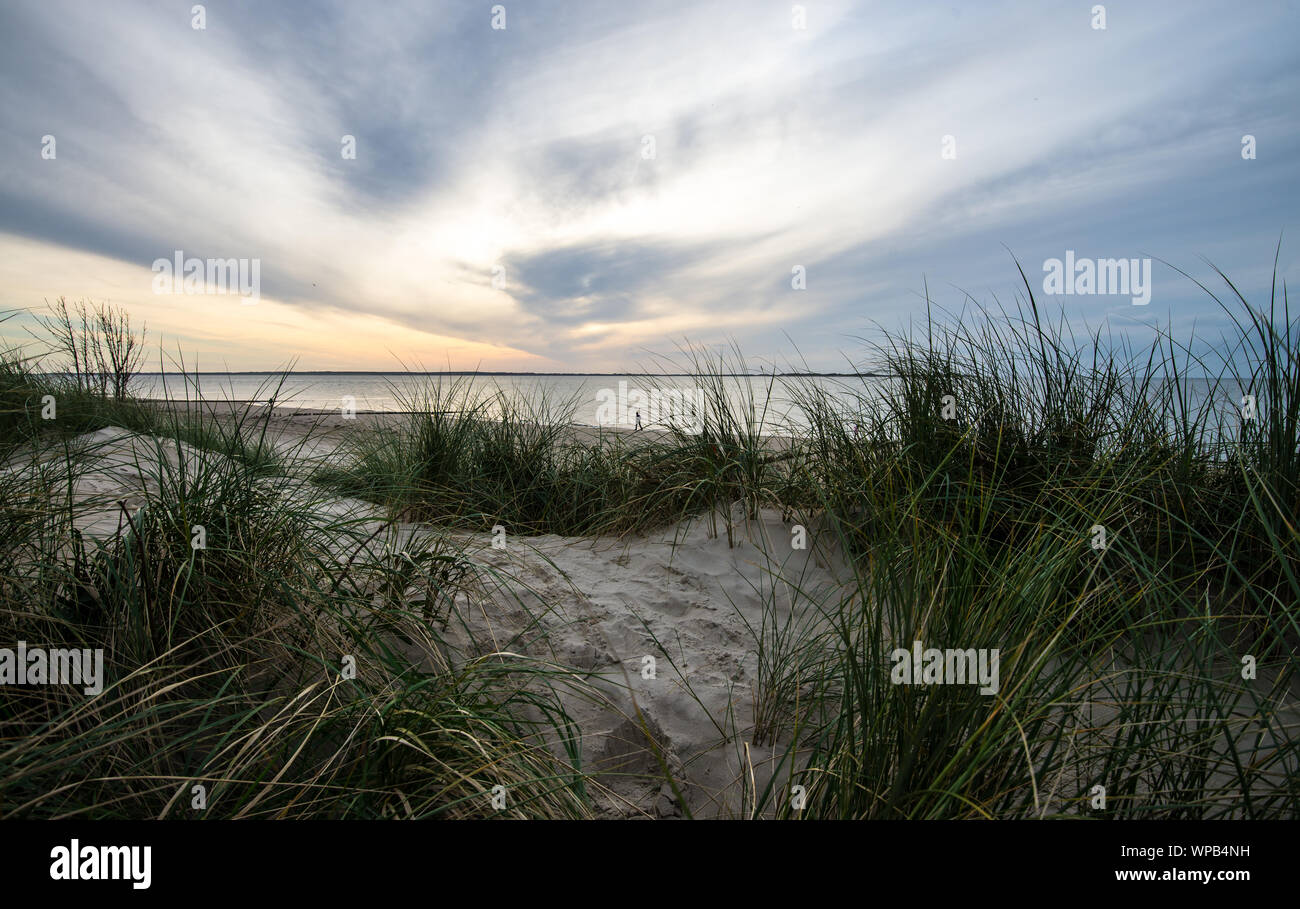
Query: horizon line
[471,372]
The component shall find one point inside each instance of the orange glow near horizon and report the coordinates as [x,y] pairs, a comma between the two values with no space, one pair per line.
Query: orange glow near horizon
[218,332]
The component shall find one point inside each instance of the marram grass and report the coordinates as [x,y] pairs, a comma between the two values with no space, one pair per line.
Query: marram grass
[1130,548]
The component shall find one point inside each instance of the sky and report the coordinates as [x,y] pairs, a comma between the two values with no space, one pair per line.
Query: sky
[576,186]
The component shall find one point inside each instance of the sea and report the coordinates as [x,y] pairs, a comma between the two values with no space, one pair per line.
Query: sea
[613,401]
[606,401]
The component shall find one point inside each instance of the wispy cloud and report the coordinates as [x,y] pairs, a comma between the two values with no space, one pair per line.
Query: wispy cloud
[524,154]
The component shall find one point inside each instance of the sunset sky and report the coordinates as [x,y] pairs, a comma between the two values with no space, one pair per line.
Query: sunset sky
[526,149]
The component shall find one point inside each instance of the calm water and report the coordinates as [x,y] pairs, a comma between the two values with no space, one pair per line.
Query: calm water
[605,401]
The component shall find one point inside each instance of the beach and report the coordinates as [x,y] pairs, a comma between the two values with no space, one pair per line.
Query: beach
[685,656]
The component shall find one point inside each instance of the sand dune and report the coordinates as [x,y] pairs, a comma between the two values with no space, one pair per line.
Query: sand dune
[659,630]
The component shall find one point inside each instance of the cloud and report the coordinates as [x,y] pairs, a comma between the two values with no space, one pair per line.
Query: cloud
[526,149]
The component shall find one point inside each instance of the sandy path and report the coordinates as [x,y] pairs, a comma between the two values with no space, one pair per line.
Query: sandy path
[682,597]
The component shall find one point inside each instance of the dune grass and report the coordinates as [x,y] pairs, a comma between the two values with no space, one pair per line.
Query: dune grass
[1123,547]
[253,660]
[1119,524]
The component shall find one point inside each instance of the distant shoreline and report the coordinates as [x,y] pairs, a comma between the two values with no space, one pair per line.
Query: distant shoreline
[363,372]
[554,375]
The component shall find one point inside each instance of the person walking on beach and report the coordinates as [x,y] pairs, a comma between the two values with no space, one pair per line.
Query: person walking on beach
[638,422]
